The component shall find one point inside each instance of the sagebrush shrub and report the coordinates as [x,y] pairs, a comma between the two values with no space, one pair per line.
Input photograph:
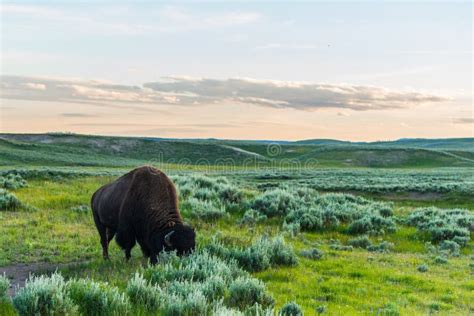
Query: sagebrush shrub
[360,242]
[450,247]
[305,209]
[43,295]
[213,288]
[422,268]
[231,194]
[246,292]
[371,224]
[276,202]
[142,293]
[8,201]
[205,210]
[252,217]
[291,309]
[336,245]
[193,304]
[94,298]
[312,253]
[260,255]
[443,224]
[12,181]
[382,247]
[191,285]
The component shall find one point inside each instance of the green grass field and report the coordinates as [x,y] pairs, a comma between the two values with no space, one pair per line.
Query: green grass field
[54,225]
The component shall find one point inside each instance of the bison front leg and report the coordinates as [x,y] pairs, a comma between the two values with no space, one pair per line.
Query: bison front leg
[126,240]
[153,258]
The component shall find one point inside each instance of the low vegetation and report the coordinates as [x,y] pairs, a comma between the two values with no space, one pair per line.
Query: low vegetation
[263,250]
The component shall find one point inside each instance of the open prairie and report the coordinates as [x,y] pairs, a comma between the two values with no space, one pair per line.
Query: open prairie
[369,229]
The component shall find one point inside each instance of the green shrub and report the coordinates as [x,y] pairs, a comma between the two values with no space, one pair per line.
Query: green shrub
[291,309]
[95,298]
[214,288]
[231,194]
[450,247]
[142,293]
[443,224]
[422,268]
[371,224]
[336,245]
[321,309]
[245,292]
[312,253]
[194,303]
[360,242]
[204,210]
[276,202]
[308,210]
[191,285]
[383,247]
[441,259]
[44,295]
[252,217]
[260,255]
[12,181]
[205,194]
[8,201]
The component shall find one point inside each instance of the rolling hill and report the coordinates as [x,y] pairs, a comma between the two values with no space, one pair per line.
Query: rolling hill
[86,150]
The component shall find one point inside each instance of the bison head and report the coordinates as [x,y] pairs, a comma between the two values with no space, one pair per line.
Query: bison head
[181,238]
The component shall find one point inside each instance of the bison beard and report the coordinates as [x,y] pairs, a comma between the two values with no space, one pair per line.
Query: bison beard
[141,206]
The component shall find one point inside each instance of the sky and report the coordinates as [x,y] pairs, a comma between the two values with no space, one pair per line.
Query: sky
[238,70]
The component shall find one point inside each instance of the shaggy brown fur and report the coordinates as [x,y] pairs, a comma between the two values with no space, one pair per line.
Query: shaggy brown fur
[141,206]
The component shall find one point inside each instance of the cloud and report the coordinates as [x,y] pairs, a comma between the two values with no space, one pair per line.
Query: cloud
[35,86]
[464,120]
[107,20]
[288,94]
[187,91]
[79,115]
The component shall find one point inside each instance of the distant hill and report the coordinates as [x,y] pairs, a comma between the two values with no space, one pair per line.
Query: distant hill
[463,144]
[85,150]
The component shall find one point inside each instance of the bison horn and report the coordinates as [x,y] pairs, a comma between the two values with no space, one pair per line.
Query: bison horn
[167,238]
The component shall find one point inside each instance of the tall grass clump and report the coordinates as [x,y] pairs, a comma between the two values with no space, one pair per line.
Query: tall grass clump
[4,286]
[443,224]
[8,201]
[95,298]
[43,295]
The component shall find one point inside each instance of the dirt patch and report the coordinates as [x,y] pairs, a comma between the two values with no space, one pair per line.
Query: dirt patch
[19,273]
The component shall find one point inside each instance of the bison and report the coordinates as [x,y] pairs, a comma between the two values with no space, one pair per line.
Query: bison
[141,206]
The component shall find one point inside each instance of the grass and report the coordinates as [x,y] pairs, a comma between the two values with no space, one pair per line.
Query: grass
[346,282]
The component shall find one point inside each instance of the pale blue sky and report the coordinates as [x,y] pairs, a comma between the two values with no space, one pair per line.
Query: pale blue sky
[405,47]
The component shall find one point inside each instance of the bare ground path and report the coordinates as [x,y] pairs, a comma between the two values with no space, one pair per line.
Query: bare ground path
[20,272]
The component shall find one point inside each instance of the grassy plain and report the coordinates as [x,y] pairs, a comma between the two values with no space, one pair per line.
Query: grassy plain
[63,171]
[346,282]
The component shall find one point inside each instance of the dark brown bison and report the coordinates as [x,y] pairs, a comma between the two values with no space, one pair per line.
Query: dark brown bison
[141,206]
